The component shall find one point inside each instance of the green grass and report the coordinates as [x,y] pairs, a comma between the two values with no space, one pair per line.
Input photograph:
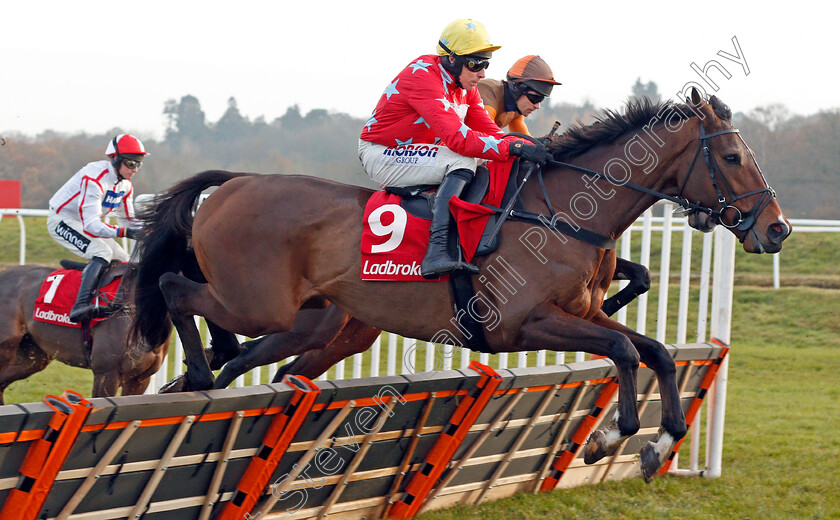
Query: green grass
[781,448]
[40,248]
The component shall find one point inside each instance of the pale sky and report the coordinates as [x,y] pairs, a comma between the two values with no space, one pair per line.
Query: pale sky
[95,65]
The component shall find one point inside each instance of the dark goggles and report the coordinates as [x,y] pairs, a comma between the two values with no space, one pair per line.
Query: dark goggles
[534,97]
[131,163]
[476,64]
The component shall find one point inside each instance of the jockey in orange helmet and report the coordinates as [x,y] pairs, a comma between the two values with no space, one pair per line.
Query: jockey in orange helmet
[529,82]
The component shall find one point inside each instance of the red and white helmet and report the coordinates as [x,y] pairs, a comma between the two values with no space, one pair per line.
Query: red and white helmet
[125,144]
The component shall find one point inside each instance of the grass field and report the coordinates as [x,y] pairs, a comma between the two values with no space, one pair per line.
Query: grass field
[782,446]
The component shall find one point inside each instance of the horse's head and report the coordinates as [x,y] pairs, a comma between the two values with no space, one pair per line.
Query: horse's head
[725,178]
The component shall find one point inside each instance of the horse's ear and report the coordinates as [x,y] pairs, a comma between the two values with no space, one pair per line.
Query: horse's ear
[699,105]
[696,98]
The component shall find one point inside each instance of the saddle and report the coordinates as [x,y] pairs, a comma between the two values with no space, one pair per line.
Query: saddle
[417,201]
[116,269]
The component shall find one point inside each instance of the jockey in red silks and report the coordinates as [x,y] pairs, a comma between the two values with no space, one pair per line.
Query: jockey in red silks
[430,126]
[78,207]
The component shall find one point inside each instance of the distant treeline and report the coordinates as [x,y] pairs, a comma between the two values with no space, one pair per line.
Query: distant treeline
[799,154]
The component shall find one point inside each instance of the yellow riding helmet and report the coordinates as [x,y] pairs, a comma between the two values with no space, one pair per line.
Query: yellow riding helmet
[464,37]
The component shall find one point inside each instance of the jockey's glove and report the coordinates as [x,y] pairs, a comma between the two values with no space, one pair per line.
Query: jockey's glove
[534,152]
[134,233]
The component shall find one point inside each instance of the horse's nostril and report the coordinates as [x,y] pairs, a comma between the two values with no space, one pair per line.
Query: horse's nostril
[777,232]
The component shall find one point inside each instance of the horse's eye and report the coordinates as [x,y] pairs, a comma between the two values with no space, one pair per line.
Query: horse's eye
[733,158]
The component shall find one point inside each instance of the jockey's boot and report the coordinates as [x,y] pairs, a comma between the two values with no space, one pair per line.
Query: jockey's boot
[85,308]
[438,261]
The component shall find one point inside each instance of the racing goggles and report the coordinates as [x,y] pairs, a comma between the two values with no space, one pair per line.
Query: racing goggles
[132,164]
[534,97]
[475,63]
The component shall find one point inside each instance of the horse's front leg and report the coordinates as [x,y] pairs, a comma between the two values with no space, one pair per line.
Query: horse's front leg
[27,359]
[548,327]
[673,427]
[135,386]
[106,358]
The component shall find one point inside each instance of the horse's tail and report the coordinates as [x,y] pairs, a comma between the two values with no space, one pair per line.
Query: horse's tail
[165,248]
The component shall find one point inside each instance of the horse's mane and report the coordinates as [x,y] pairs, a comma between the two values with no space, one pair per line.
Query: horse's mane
[610,125]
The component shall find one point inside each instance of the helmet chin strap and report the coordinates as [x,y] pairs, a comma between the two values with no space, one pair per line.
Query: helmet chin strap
[453,68]
[116,162]
[511,96]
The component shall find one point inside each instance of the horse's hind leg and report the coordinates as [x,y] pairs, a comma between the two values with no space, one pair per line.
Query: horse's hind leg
[224,345]
[354,338]
[673,427]
[179,294]
[252,354]
[313,330]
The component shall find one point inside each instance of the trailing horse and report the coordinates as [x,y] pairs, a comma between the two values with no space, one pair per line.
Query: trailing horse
[28,345]
[269,246]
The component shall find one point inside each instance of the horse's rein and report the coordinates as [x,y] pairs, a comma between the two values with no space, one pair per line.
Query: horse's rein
[745,220]
[590,237]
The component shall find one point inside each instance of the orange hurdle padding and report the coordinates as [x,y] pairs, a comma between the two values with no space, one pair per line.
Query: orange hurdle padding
[561,463]
[697,402]
[275,443]
[46,456]
[450,438]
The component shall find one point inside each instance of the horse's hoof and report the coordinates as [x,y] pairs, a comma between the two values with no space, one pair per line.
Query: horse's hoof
[596,447]
[603,443]
[649,461]
[174,386]
[281,372]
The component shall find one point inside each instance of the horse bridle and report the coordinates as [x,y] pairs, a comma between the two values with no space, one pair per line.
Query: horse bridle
[744,221]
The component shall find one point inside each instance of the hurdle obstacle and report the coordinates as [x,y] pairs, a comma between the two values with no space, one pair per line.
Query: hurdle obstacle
[373,448]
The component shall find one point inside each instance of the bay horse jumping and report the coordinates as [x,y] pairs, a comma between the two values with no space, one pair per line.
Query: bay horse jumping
[27,346]
[269,246]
